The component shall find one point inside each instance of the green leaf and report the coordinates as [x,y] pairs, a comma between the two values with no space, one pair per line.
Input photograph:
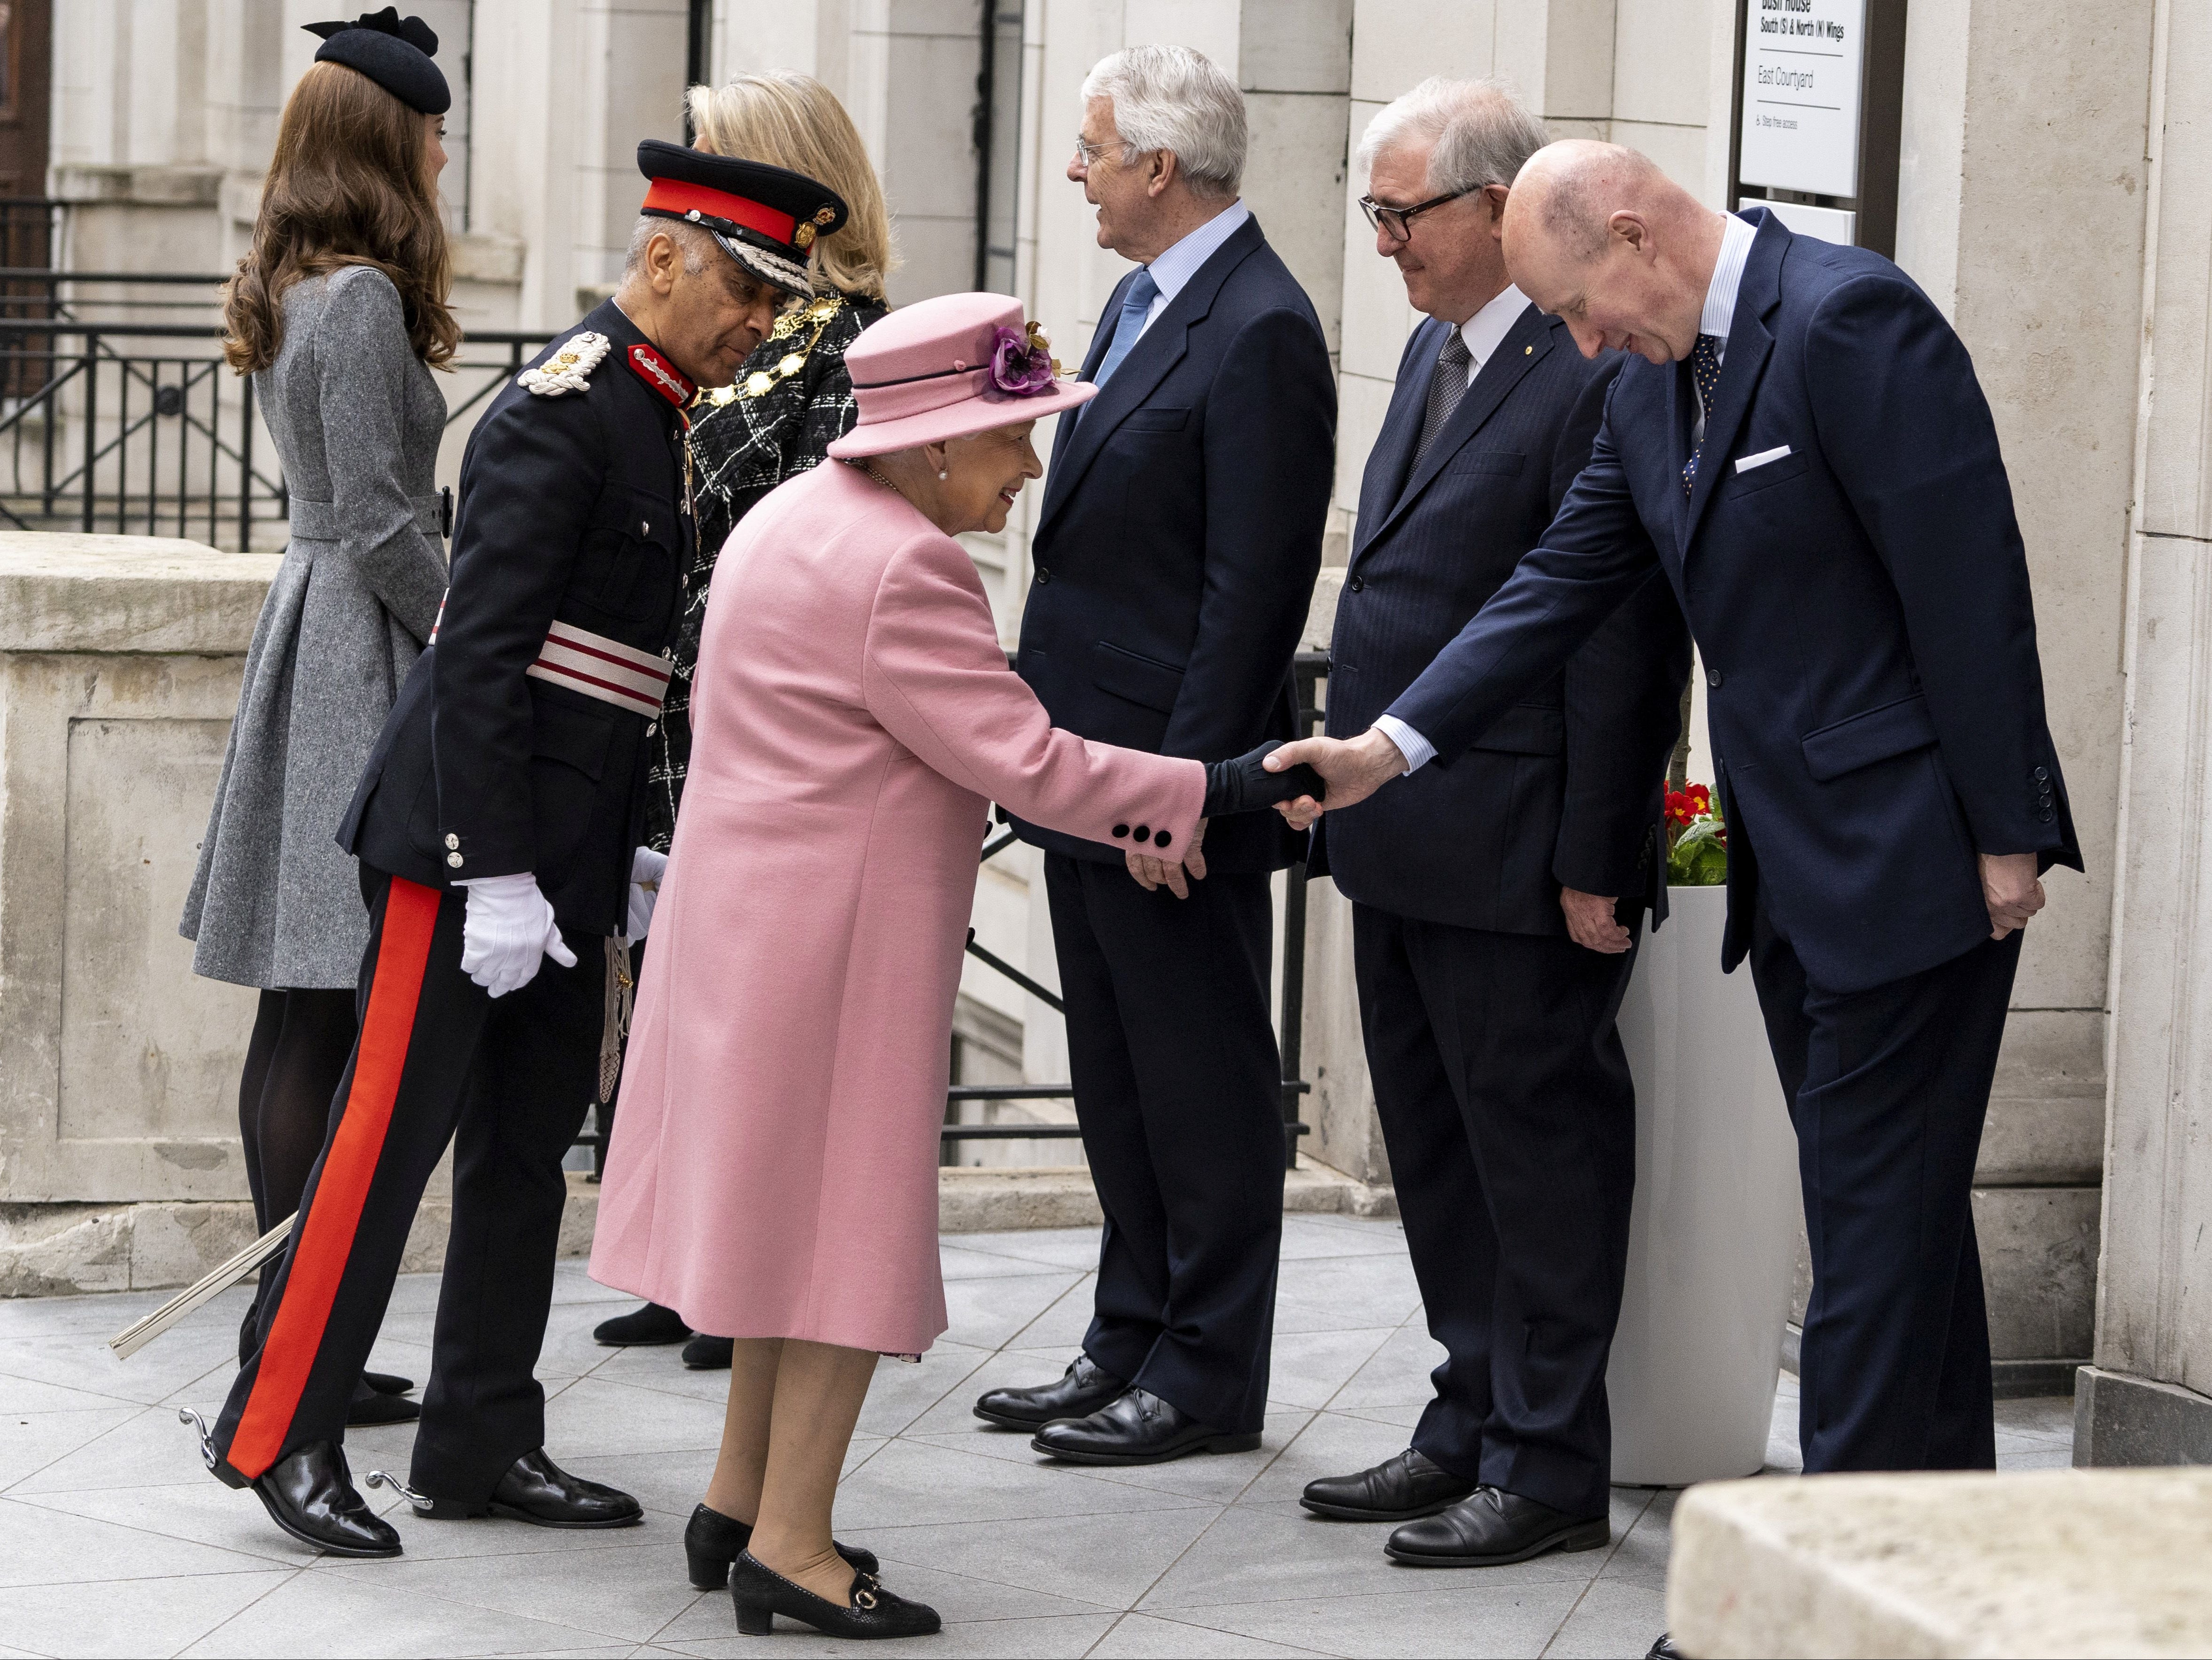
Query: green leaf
[1699,858]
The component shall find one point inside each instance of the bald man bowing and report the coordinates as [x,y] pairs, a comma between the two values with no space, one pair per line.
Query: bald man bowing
[1806,452]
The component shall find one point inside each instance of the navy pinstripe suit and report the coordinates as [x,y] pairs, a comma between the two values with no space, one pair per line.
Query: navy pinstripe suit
[1503,1095]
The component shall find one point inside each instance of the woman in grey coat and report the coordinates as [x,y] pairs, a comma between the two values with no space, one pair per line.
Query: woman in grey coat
[338,312]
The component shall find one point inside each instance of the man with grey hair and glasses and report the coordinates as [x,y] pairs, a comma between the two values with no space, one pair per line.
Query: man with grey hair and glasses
[1498,891]
[1176,552]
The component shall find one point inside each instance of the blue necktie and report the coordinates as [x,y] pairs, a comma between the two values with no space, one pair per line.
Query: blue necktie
[1705,374]
[1134,305]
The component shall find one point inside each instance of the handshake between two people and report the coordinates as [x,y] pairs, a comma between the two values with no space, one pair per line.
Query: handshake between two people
[1245,784]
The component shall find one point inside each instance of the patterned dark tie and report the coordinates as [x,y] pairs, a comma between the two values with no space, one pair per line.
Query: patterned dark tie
[1446,387]
[1705,374]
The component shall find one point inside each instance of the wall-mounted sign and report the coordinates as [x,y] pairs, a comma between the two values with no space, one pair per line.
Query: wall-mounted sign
[1803,80]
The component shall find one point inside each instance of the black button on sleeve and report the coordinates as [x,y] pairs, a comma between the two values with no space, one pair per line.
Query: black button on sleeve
[1144,832]
[1162,839]
[1121,831]
[1712,677]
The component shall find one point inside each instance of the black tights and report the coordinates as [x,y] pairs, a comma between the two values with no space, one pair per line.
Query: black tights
[293,1062]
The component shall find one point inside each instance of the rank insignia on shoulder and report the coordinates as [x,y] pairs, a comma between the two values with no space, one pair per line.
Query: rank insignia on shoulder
[568,369]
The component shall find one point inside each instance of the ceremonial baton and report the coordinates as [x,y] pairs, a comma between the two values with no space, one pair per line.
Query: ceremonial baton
[134,1337]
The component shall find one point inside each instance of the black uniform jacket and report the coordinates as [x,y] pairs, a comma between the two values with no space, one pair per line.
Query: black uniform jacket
[1565,790]
[571,510]
[1181,532]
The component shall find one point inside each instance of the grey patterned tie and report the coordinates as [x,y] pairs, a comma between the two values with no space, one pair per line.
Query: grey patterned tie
[1446,387]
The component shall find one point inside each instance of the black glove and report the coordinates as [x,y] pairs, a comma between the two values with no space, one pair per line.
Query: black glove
[1244,785]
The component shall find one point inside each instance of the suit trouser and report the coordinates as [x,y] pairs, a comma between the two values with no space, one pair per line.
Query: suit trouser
[1887,1089]
[1507,1107]
[438,1060]
[1179,1091]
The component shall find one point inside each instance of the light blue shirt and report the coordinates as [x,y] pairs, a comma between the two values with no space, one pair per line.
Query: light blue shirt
[1173,269]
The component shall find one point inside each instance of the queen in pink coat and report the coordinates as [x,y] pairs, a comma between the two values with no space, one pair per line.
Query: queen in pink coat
[772,1171]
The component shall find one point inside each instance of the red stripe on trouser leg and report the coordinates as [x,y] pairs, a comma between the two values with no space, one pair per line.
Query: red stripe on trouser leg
[325,1240]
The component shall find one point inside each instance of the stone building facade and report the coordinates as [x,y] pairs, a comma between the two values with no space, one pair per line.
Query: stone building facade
[2055,198]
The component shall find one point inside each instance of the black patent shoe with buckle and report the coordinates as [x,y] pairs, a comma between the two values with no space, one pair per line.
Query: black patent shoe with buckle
[536,1490]
[761,1593]
[1084,1387]
[1137,1428]
[1400,1489]
[713,1540]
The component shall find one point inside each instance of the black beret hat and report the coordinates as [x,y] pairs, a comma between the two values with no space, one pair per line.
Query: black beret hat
[393,52]
[765,218]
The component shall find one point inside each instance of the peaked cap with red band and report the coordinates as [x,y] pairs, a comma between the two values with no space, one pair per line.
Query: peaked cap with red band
[765,218]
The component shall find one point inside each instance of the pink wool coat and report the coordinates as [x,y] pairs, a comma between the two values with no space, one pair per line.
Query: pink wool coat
[774,1167]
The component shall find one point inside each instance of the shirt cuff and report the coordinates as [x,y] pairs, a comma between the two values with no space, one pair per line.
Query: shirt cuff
[1417,749]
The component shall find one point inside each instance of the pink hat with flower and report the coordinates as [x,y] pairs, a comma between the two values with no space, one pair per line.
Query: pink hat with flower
[948,367]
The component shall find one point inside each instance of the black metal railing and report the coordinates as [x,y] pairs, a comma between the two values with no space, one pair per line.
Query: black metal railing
[138,428]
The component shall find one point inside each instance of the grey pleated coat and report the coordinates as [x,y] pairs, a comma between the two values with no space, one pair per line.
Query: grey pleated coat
[357,418]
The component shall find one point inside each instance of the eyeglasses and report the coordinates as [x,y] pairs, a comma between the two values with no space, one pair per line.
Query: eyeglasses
[1086,152]
[1397,223]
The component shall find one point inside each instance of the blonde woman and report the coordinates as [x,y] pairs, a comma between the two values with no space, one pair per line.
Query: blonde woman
[790,401]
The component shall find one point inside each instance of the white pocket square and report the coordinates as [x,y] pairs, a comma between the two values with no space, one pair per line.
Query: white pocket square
[1746,462]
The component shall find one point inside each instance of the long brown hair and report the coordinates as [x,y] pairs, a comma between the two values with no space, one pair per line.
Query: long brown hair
[792,120]
[349,185]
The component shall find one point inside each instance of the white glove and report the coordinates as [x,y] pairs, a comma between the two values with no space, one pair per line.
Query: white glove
[645,869]
[509,930]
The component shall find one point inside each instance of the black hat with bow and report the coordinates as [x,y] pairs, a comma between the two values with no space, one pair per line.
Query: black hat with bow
[392,51]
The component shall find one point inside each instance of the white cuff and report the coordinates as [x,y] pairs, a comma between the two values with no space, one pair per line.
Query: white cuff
[1417,749]
[498,887]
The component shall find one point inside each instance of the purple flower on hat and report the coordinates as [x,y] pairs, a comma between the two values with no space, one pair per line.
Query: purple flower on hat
[1018,365]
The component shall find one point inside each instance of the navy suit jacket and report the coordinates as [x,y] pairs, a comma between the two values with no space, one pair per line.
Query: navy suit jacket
[1181,532]
[1565,789]
[1861,602]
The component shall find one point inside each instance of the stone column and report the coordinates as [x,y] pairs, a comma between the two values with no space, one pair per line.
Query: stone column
[2021,212]
[2148,1398]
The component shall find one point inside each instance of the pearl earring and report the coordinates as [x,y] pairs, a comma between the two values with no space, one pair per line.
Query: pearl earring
[944,473]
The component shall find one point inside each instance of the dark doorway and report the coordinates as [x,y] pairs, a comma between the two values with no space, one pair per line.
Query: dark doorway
[26,87]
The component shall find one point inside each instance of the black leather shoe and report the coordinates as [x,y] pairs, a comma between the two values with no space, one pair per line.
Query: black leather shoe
[385,1383]
[642,1329]
[705,1353]
[534,1489]
[1138,1428]
[1080,1390]
[1396,1490]
[1492,1528]
[311,1495]
[713,1540]
[1664,1649]
[371,1406]
[761,1593]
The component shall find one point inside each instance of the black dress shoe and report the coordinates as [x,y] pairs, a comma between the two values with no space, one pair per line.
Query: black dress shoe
[761,1593]
[1080,1390]
[1138,1428]
[1396,1490]
[1664,1649]
[385,1383]
[371,1406]
[642,1329]
[311,1495]
[1492,1528]
[534,1489]
[713,1540]
[705,1353]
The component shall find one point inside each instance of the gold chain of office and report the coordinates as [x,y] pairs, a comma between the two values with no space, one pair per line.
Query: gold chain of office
[817,312]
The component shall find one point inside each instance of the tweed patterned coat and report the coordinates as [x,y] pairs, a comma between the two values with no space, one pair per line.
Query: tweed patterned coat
[357,418]
[790,402]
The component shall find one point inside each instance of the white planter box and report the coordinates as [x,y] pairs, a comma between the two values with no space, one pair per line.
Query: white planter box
[1713,1235]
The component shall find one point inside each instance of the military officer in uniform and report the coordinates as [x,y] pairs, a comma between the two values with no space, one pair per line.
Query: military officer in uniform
[499,825]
